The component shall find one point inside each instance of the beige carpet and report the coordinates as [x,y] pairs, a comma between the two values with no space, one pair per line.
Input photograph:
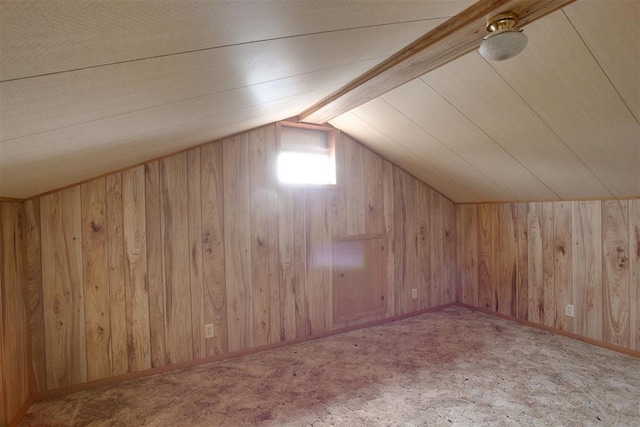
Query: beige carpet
[452,367]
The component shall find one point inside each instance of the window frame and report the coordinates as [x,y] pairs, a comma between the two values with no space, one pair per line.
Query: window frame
[331,139]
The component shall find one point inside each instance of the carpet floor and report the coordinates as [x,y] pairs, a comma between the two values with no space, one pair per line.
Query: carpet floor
[451,367]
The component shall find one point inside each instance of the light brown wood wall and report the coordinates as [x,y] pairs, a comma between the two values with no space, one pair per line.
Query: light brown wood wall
[529,260]
[125,270]
[15,373]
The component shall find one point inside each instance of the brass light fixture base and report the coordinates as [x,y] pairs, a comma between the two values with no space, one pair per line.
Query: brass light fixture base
[502,21]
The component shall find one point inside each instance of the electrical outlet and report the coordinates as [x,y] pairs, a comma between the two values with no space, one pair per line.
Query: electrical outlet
[208,330]
[568,310]
[414,293]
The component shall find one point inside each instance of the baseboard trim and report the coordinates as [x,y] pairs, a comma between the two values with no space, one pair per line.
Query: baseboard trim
[63,391]
[21,412]
[613,347]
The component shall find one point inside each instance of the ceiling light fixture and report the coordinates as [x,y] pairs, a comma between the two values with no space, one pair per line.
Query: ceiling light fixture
[504,40]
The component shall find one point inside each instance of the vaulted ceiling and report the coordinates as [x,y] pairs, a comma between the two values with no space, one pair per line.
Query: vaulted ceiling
[90,87]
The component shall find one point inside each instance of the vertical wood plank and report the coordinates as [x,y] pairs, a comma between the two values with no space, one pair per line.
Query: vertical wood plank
[535,277]
[175,258]
[373,203]
[276,314]
[96,278]
[615,247]
[300,250]
[237,242]
[411,244]
[65,342]
[634,265]
[194,201]
[562,231]
[388,191]
[259,237]
[548,265]
[485,256]
[423,243]
[34,278]
[354,154]
[318,262]
[436,235]
[14,323]
[469,265]
[135,269]
[507,254]
[339,195]
[117,293]
[587,268]
[4,413]
[287,261]
[450,236]
[213,258]
[154,263]
[405,238]
[522,279]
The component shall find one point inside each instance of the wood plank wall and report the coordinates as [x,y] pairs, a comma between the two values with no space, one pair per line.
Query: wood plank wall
[529,260]
[125,270]
[15,372]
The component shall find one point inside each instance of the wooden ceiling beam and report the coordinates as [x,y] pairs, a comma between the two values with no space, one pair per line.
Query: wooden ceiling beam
[457,36]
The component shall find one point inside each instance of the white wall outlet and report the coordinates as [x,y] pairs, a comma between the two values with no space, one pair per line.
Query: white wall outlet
[568,310]
[208,330]
[414,293]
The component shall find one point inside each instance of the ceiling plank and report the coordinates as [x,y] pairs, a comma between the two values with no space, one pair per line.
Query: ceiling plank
[450,40]
[567,88]
[469,82]
[41,104]
[390,149]
[433,153]
[43,36]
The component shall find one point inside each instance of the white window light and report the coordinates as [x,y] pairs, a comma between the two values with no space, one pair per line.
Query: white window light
[307,155]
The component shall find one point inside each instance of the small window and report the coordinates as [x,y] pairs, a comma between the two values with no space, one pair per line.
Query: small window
[307,154]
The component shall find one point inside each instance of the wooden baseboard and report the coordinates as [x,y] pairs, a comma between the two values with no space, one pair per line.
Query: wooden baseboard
[616,348]
[21,412]
[62,391]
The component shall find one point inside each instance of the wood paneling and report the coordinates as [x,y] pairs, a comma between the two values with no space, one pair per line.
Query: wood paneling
[522,269]
[436,232]
[212,199]
[117,293]
[96,289]
[195,253]
[615,272]
[563,249]
[486,253]
[506,258]
[260,283]
[423,242]
[63,290]
[548,266]
[583,253]
[36,310]
[634,264]
[154,263]
[237,242]
[16,377]
[175,258]
[208,236]
[468,253]
[534,263]
[135,269]
[587,268]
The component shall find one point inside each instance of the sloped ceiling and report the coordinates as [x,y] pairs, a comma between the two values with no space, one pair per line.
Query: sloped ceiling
[558,121]
[90,87]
